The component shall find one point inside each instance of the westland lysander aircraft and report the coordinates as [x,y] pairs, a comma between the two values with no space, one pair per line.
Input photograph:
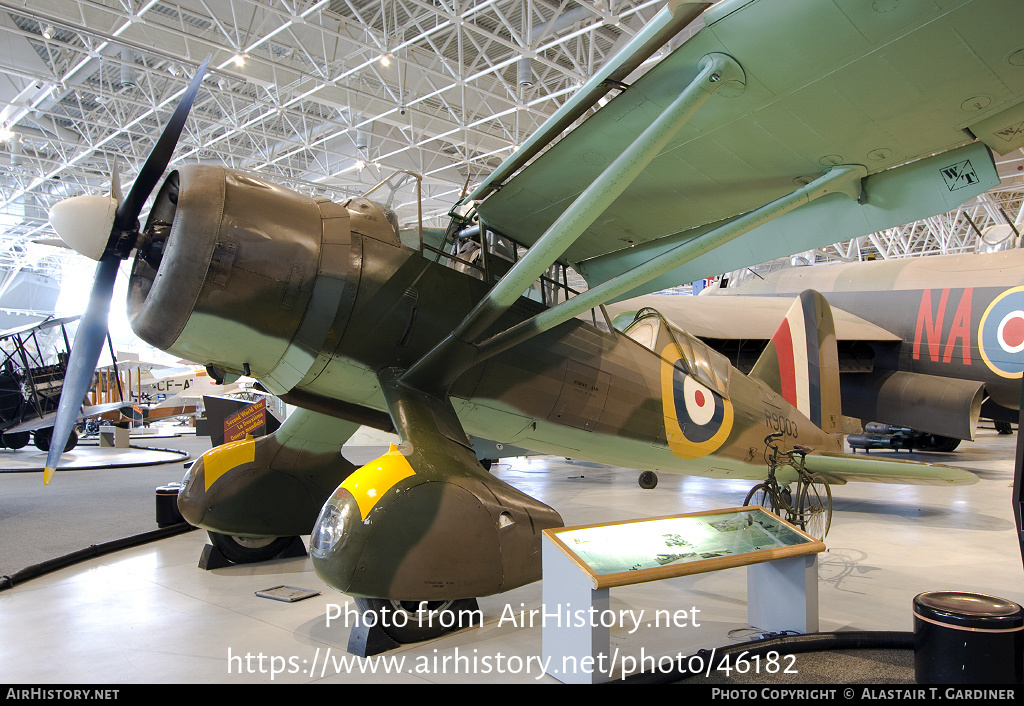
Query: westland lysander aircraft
[925,344]
[776,114]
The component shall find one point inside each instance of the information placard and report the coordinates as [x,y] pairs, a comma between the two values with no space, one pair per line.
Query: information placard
[635,551]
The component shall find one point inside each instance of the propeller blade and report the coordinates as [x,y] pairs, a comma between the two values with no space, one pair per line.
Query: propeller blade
[115,184]
[85,353]
[129,210]
[92,330]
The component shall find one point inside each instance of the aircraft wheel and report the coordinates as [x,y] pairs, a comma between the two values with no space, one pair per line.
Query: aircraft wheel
[17,440]
[41,438]
[941,443]
[648,480]
[247,550]
[415,621]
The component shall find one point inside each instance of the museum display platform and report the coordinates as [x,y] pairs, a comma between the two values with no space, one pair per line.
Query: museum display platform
[149,615]
[89,456]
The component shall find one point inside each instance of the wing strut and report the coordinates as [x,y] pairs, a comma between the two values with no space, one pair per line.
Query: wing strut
[668,22]
[438,367]
[845,179]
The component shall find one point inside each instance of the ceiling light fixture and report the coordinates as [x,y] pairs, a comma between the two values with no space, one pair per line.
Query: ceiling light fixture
[48,32]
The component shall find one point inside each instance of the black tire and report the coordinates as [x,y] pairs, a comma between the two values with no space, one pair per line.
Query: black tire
[816,506]
[759,495]
[41,438]
[403,622]
[648,480]
[247,550]
[17,440]
[940,443]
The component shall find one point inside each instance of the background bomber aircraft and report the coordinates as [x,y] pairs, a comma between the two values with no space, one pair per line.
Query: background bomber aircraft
[776,115]
[926,344]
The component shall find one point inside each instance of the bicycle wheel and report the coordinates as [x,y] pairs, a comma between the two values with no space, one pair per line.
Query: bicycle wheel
[762,495]
[815,506]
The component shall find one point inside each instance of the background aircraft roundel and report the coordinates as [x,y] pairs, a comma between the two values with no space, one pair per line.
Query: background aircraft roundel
[1001,334]
[698,420]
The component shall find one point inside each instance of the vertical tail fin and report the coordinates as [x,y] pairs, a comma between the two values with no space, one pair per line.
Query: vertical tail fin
[801,362]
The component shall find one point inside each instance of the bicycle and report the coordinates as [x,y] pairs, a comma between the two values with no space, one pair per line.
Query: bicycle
[812,511]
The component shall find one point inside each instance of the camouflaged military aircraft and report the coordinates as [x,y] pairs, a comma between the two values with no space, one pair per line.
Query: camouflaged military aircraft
[776,116]
[926,345]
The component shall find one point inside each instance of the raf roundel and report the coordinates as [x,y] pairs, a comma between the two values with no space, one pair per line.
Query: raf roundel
[1001,334]
[698,420]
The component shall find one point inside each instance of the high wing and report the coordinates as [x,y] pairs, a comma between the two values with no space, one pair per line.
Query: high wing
[806,87]
[47,323]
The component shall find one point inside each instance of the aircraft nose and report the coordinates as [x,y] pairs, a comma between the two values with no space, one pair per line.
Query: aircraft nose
[191,498]
[227,267]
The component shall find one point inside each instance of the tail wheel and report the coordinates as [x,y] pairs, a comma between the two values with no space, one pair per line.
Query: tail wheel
[415,621]
[816,506]
[246,550]
[648,480]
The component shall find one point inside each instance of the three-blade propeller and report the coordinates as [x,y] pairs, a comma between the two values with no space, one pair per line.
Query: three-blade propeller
[106,229]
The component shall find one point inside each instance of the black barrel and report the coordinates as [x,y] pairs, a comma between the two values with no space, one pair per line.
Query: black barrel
[967,638]
[167,512]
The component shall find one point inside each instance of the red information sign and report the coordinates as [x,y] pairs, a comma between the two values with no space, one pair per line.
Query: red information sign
[245,421]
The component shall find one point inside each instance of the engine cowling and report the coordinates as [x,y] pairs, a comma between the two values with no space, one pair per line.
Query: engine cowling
[244,275]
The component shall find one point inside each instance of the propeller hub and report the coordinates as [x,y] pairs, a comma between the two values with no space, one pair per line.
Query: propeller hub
[85,222]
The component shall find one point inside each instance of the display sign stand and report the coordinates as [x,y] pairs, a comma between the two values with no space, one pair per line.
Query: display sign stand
[581,565]
[574,649]
[782,595]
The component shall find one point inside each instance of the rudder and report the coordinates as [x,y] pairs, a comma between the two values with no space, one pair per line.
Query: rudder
[801,361]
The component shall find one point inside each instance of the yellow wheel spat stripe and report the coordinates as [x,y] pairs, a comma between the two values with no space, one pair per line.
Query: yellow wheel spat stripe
[369,483]
[221,459]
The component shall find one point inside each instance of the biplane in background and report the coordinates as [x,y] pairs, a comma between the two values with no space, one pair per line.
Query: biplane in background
[779,126]
[152,391]
[32,372]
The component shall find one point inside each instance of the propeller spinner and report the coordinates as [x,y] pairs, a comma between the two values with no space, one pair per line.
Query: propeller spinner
[106,228]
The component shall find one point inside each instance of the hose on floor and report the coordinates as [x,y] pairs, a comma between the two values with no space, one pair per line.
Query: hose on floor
[90,552]
[782,644]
